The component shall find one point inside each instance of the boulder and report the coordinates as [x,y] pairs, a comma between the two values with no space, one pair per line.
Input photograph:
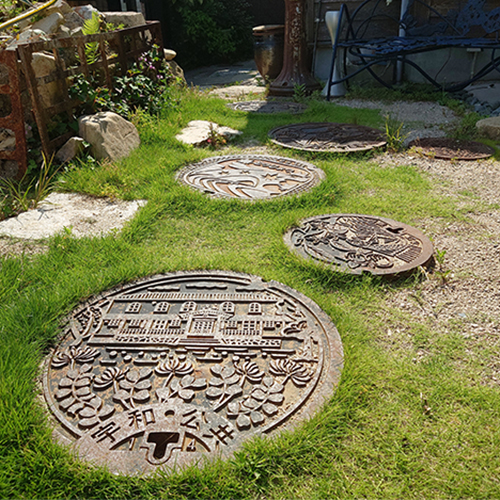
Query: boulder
[43,64]
[128,19]
[71,149]
[489,127]
[177,71]
[110,136]
[73,21]
[49,24]
[198,132]
[7,139]
[86,11]
[28,36]
[169,54]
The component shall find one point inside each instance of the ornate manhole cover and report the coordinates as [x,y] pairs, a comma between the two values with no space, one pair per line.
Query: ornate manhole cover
[251,177]
[178,367]
[357,243]
[268,106]
[328,137]
[445,148]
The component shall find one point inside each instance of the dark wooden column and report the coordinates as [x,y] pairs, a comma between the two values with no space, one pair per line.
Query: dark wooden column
[295,71]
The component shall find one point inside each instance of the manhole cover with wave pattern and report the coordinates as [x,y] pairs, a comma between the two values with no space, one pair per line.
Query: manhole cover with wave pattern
[180,367]
[446,148]
[357,243]
[251,177]
[328,137]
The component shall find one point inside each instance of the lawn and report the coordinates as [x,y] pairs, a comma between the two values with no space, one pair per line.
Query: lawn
[394,428]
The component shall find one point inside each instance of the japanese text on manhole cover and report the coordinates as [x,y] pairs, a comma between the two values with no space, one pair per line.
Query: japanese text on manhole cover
[188,365]
[328,137]
[268,107]
[446,148]
[357,243]
[251,177]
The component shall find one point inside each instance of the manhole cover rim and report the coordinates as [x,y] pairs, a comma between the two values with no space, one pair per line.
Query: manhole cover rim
[327,379]
[427,149]
[318,175]
[424,258]
[368,147]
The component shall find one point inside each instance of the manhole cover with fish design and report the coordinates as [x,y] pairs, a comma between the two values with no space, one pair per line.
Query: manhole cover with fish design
[179,367]
[251,177]
[268,107]
[357,243]
[328,137]
[446,148]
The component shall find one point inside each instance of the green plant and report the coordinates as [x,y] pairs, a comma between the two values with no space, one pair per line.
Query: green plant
[394,136]
[215,139]
[92,26]
[441,272]
[465,129]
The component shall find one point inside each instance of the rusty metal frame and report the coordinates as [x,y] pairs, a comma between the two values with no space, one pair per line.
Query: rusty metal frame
[15,120]
[127,44]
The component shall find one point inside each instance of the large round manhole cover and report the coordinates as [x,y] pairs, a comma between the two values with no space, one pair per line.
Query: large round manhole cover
[251,177]
[328,137]
[357,243]
[179,367]
[445,148]
[268,107]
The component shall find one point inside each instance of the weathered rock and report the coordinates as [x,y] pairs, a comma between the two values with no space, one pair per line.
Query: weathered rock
[169,54]
[43,64]
[86,11]
[489,127]
[71,149]
[198,132]
[28,36]
[73,21]
[176,70]
[49,24]
[109,135]
[7,139]
[128,19]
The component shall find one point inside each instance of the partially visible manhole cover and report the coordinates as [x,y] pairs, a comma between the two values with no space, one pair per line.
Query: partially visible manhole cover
[176,368]
[268,107]
[357,243]
[251,177]
[328,137]
[445,148]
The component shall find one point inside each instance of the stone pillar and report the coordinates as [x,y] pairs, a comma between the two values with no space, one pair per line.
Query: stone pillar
[295,71]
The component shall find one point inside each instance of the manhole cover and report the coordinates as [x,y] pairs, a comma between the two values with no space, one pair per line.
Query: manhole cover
[445,148]
[358,243]
[268,107]
[328,137]
[169,370]
[251,177]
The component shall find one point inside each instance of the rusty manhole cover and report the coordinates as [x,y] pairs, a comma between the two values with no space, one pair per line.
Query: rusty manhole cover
[357,243]
[251,177]
[268,107]
[176,368]
[445,148]
[328,137]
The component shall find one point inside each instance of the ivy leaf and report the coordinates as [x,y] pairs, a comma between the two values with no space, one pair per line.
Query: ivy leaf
[186,394]
[243,422]
[62,393]
[227,371]
[217,382]
[199,383]
[233,409]
[187,380]
[96,402]
[214,392]
[85,368]
[132,376]
[143,384]
[162,393]
[256,417]
[106,411]
[268,381]
[277,387]
[83,391]
[141,396]
[74,409]
[269,409]
[121,395]
[233,380]
[145,372]
[66,403]
[72,374]
[125,384]
[250,404]
[83,382]
[259,395]
[86,423]
[65,382]
[234,390]
[87,412]
[216,370]
[276,398]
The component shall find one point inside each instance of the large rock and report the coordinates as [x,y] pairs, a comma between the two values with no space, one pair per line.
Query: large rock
[49,24]
[198,132]
[110,136]
[169,54]
[177,71]
[43,64]
[7,139]
[489,127]
[28,36]
[128,19]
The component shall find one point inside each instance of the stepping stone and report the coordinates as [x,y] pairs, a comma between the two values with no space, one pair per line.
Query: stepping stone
[445,148]
[357,243]
[174,369]
[328,137]
[268,107]
[251,177]
[198,132]
[489,127]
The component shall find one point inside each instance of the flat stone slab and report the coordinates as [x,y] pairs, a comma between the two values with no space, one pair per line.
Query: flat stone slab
[356,243]
[489,127]
[198,132]
[251,177]
[268,107]
[328,137]
[180,367]
[85,215]
[445,148]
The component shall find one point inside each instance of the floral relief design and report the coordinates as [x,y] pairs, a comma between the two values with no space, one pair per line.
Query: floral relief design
[74,355]
[291,370]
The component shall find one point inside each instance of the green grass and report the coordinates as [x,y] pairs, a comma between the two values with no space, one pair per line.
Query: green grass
[373,439]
